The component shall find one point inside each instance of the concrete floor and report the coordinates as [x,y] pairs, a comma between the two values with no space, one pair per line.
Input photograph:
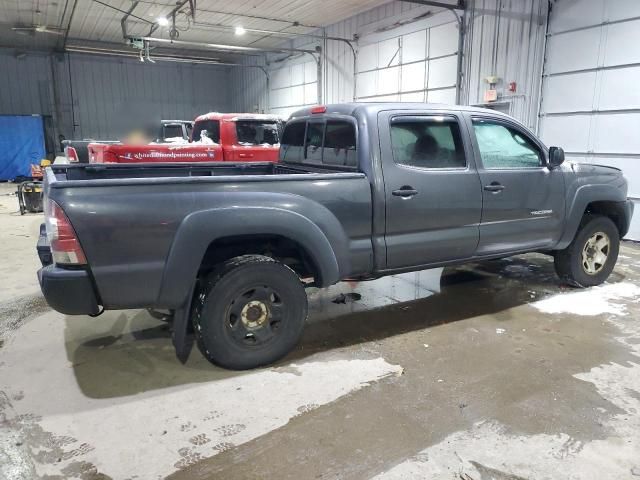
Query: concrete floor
[502,373]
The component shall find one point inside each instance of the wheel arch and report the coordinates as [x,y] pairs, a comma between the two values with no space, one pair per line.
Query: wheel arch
[203,230]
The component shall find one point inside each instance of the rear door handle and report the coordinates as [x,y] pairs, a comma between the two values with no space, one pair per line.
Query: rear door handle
[494,187]
[405,191]
[245,155]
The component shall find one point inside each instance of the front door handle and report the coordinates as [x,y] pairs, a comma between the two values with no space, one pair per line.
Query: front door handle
[405,191]
[494,187]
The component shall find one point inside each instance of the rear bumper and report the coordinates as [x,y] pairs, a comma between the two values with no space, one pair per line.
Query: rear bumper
[67,291]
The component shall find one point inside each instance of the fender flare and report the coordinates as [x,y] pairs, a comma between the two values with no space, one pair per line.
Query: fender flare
[199,229]
[583,196]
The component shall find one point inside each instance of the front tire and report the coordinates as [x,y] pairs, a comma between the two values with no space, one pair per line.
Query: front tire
[250,312]
[591,256]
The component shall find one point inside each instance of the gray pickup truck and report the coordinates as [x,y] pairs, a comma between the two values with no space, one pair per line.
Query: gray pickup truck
[361,191]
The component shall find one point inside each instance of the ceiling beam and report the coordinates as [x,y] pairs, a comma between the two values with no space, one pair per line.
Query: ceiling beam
[460,5]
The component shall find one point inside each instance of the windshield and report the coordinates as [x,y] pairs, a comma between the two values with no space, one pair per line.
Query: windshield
[257,132]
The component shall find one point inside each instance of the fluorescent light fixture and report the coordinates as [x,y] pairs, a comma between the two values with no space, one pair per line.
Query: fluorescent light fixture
[240,30]
[163,21]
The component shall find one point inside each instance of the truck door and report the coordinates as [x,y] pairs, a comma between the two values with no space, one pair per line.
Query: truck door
[523,201]
[432,189]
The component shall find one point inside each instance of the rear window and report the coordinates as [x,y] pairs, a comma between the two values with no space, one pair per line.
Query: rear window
[212,128]
[257,132]
[173,131]
[320,143]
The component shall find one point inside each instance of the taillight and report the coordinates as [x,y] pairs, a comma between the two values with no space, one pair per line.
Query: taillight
[64,244]
[71,154]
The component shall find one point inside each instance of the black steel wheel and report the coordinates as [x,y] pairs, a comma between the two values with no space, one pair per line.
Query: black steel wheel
[250,312]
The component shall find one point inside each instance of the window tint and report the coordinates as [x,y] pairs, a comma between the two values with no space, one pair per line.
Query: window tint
[257,132]
[212,128]
[340,144]
[504,147]
[427,143]
[313,143]
[291,149]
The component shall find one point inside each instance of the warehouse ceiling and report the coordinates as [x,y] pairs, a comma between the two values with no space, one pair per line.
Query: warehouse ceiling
[54,25]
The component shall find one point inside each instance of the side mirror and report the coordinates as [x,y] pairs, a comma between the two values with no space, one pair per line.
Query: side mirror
[556,157]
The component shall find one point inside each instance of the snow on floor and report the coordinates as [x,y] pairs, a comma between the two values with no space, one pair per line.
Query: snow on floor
[155,433]
[488,450]
[591,301]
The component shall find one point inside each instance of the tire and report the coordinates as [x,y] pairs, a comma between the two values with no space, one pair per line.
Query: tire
[569,262]
[249,312]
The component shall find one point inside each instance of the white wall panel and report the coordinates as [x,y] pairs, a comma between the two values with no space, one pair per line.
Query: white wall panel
[621,46]
[573,51]
[443,40]
[368,57]
[413,77]
[388,80]
[616,133]
[622,9]
[569,93]
[389,53]
[414,46]
[442,72]
[570,14]
[447,95]
[569,132]
[619,88]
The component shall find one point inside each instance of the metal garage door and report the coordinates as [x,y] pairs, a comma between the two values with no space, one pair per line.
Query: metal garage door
[590,98]
[293,85]
[411,64]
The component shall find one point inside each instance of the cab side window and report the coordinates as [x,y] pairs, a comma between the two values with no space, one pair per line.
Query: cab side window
[292,147]
[429,142]
[313,143]
[340,144]
[505,147]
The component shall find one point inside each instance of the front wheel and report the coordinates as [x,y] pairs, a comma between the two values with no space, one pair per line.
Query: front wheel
[250,312]
[590,257]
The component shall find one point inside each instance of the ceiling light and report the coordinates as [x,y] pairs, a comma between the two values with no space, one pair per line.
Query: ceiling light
[163,21]
[240,30]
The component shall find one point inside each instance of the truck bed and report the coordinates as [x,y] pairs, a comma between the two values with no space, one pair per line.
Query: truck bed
[128,216]
[181,170]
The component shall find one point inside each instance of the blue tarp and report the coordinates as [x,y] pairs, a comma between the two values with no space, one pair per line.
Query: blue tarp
[21,144]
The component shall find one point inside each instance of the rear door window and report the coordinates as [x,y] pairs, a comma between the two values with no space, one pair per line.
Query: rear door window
[427,142]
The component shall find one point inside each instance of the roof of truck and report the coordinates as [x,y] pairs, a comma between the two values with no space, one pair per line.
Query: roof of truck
[374,107]
[236,116]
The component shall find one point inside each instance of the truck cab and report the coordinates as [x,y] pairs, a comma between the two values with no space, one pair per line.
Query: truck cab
[243,137]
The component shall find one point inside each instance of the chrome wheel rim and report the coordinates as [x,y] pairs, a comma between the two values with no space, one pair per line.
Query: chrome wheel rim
[595,253]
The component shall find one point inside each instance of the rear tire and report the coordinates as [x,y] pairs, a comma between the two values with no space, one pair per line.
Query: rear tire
[591,256]
[250,312]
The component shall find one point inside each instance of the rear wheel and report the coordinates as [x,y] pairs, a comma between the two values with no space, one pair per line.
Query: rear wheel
[250,312]
[590,257]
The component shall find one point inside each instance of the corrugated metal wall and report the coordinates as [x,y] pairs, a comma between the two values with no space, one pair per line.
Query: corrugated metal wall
[96,96]
[504,38]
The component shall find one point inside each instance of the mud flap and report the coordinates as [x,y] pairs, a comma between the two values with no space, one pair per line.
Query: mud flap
[182,334]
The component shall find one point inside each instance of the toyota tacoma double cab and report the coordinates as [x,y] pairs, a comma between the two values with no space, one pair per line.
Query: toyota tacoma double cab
[361,191]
